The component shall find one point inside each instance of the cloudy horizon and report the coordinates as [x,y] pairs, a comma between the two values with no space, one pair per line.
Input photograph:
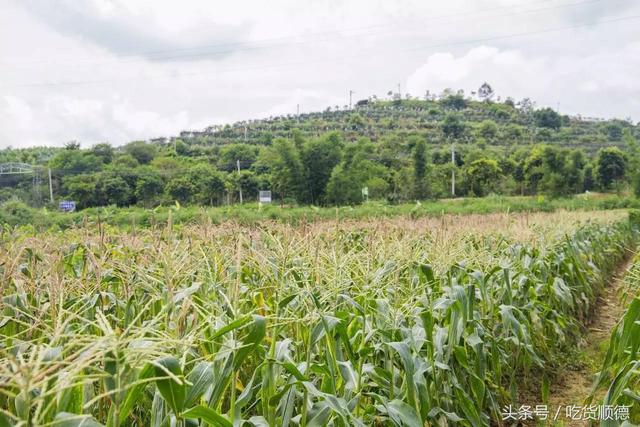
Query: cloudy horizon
[117,71]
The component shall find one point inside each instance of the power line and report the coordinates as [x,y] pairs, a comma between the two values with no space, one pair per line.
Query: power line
[326,39]
[228,167]
[308,61]
[158,54]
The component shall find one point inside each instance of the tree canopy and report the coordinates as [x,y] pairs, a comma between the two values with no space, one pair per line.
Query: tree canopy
[397,150]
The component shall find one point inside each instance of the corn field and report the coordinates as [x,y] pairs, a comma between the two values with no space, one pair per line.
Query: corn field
[387,323]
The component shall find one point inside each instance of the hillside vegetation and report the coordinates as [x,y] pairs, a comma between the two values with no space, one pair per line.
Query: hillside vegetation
[399,150]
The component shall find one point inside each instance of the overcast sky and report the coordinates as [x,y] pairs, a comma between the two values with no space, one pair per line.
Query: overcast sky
[119,70]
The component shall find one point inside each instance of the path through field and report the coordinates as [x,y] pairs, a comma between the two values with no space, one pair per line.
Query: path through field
[574,385]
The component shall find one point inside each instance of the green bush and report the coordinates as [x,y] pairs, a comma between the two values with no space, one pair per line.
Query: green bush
[15,212]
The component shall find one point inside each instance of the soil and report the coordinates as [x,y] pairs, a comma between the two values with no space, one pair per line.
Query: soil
[573,385]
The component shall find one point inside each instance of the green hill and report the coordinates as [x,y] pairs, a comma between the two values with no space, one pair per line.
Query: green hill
[500,124]
[398,150]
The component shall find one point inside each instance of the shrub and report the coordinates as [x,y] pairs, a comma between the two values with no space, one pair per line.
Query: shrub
[15,212]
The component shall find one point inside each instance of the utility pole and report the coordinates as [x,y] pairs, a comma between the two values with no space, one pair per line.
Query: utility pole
[453,169]
[350,99]
[298,112]
[245,133]
[239,184]
[50,187]
[399,91]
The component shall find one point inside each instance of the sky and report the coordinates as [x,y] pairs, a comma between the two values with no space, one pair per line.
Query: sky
[120,70]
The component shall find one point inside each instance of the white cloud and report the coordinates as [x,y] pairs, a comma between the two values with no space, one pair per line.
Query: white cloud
[18,112]
[600,84]
[307,100]
[501,68]
[56,121]
[83,70]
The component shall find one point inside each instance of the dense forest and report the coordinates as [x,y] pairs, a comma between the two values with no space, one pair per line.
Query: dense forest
[399,149]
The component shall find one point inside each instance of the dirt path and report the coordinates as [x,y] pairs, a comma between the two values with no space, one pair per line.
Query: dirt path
[574,384]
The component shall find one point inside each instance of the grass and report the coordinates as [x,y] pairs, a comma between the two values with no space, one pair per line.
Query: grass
[392,322]
[251,213]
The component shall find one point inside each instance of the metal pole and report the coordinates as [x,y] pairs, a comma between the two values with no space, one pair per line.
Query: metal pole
[50,187]
[239,185]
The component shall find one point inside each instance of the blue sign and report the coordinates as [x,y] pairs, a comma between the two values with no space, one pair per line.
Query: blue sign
[67,206]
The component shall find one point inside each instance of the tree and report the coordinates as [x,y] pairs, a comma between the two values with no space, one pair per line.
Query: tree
[141,151]
[526,106]
[533,169]
[484,175]
[420,169]
[103,151]
[554,171]
[452,126]
[125,161]
[182,149]
[180,189]
[82,189]
[149,187]
[611,166]
[485,92]
[319,157]
[170,166]
[488,129]
[574,174]
[454,102]
[633,164]
[207,184]
[356,121]
[553,184]
[75,161]
[285,168]
[343,187]
[251,184]
[357,170]
[589,180]
[229,154]
[114,190]
[614,131]
[547,118]
[513,132]
[519,176]
[72,146]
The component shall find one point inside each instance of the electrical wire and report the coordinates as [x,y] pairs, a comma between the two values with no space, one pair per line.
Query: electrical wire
[162,54]
[336,59]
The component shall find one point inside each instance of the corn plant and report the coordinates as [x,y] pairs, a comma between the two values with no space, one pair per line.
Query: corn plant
[620,373]
[385,323]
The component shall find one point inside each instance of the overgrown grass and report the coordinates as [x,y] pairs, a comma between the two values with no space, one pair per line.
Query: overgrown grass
[389,322]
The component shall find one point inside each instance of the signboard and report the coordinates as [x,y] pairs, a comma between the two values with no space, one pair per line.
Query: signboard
[67,206]
[264,197]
